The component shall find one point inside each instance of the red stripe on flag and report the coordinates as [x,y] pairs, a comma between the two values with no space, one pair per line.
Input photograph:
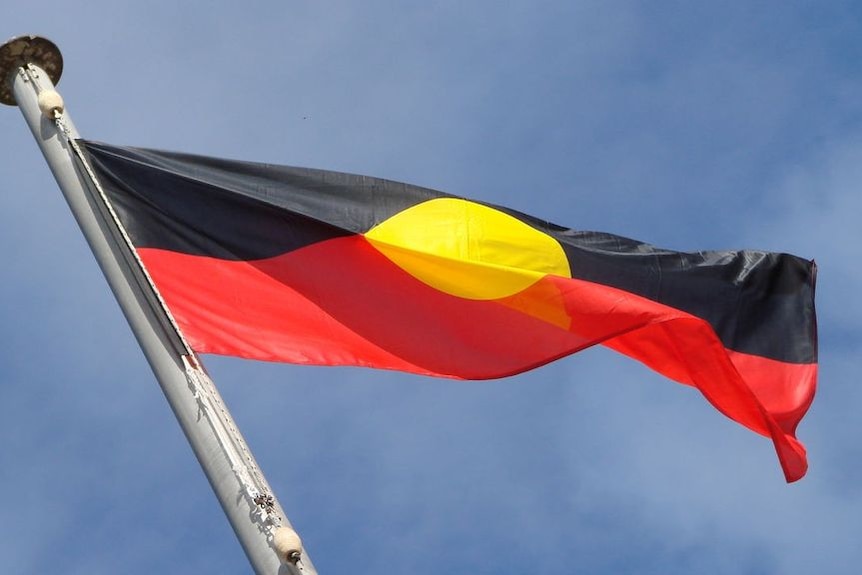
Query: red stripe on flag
[341,302]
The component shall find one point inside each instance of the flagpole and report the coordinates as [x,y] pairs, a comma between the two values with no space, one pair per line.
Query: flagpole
[30,66]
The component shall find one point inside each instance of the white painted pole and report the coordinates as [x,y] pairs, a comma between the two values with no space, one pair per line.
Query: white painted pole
[29,68]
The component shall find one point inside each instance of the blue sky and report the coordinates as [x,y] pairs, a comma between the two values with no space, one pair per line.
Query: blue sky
[691,125]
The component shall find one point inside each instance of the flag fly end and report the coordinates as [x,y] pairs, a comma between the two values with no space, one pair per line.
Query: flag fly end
[22,50]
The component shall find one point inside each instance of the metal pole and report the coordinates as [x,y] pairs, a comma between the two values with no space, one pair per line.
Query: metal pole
[29,68]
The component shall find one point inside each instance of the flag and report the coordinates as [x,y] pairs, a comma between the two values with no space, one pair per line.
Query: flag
[318,267]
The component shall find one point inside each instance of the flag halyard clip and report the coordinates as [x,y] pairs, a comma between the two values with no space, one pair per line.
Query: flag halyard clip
[281,536]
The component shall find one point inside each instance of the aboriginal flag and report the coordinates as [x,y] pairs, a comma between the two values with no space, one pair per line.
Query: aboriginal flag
[317,267]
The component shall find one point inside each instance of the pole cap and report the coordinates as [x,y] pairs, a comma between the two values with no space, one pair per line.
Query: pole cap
[23,50]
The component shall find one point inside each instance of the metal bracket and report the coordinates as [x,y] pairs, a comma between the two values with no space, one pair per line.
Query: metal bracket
[266,502]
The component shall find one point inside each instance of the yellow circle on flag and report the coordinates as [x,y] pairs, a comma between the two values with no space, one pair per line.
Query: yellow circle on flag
[467,249]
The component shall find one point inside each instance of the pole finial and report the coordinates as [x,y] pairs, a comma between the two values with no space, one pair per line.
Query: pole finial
[23,50]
